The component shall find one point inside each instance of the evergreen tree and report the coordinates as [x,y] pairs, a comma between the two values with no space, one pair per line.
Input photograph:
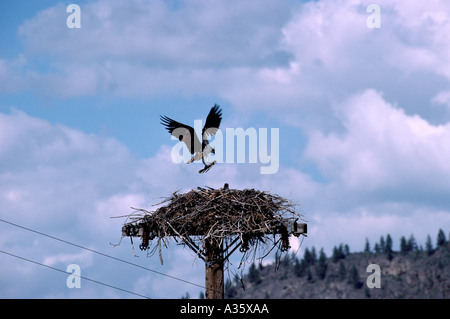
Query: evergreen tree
[367,246]
[403,245]
[411,244]
[429,246]
[300,267]
[346,250]
[186,296]
[338,253]
[253,274]
[388,248]
[376,248]
[202,295]
[321,267]
[440,238]
[229,290]
[285,261]
[307,257]
[341,251]
[353,278]
[382,245]
[313,255]
[334,255]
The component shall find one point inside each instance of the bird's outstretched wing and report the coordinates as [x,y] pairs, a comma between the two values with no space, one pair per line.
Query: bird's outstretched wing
[212,121]
[183,132]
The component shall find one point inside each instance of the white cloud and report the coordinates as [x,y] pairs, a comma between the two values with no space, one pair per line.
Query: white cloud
[328,229]
[257,56]
[422,31]
[384,150]
[83,258]
[111,54]
[442,97]
[42,162]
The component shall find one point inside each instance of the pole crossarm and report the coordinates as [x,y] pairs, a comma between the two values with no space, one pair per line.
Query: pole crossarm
[142,230]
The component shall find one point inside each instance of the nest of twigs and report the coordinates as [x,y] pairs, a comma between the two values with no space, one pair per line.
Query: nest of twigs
[230,217]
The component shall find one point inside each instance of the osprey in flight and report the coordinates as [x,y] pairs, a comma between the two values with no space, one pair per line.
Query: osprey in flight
[186,134]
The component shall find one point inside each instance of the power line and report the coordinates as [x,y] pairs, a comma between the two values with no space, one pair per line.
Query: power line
[102,254]
[82,277]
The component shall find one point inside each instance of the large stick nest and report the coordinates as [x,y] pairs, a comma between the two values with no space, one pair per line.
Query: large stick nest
[230,216]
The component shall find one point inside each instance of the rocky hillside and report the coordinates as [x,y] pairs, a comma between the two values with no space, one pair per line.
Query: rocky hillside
[412,272]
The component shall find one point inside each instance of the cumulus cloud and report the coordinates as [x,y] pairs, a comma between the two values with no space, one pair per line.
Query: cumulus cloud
[196,34]
[424,29]
[383,151]
[254,55]
[41,162]
[84,257]
[443,98]
[372,221]
[335,55]
[108,52]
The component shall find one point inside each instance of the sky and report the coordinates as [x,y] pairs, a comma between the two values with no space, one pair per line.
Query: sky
[363,115]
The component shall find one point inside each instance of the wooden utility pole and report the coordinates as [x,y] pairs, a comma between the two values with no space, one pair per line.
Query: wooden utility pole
[214,282]
[214,286]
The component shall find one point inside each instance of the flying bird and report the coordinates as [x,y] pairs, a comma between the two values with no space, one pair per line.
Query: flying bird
[186,134]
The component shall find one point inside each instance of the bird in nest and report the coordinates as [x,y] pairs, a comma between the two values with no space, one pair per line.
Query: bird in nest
[186,134]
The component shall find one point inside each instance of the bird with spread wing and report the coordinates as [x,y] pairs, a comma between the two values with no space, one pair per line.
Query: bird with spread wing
[186,134]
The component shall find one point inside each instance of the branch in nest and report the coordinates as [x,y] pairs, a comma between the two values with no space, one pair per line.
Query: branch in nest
[221,214]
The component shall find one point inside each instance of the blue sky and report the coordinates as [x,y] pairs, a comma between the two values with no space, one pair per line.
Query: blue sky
[363,115]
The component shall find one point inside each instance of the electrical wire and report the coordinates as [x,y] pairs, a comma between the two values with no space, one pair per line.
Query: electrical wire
[82,277]
[101,254]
